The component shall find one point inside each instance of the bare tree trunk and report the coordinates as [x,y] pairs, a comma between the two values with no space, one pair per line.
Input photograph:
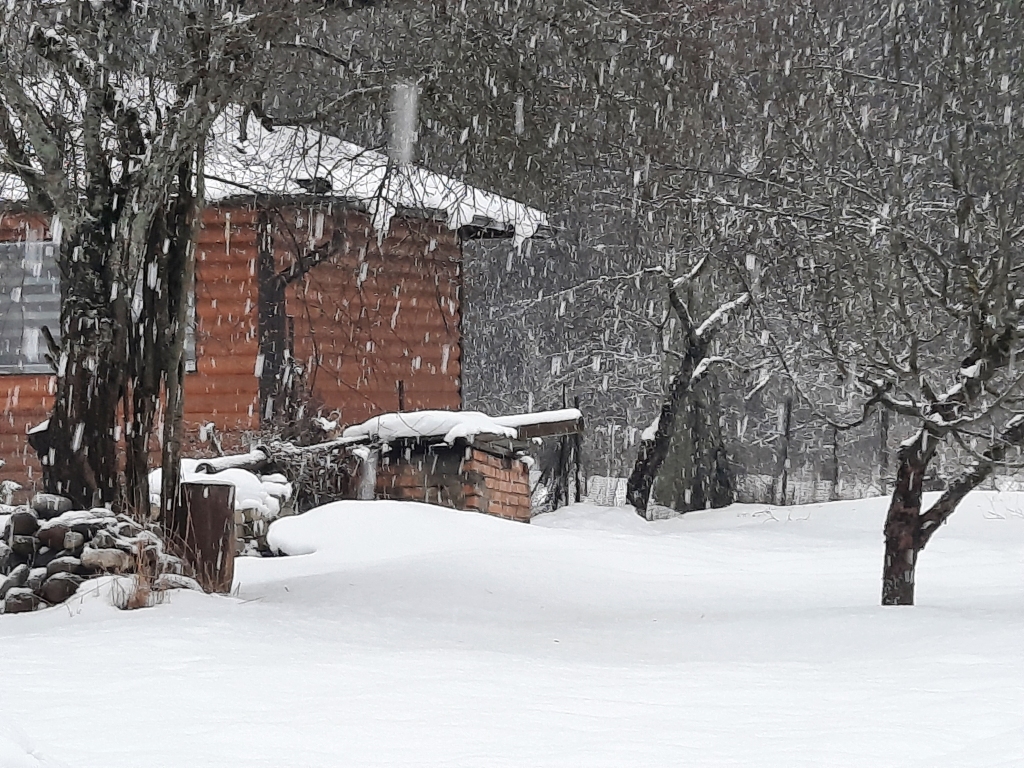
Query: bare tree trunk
[696,473]
[272,329]
[883,449]
[179,275]
[693,364]
[907,529]
[781,479]
[834,490]
[577,454]
[81,462]
[903,519]
[652,453]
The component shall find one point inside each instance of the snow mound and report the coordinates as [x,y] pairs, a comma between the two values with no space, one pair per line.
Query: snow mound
[17,751]
[591,517]
[264,496]
[347,532]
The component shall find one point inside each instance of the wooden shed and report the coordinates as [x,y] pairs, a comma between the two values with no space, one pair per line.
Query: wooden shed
[323,272]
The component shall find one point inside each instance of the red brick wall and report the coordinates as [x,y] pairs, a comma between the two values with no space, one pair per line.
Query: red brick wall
[467,478]
[503,489]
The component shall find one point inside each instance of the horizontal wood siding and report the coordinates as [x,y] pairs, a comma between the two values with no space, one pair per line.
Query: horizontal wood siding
[375,315]
[224,389]
[371,316]
[26,399]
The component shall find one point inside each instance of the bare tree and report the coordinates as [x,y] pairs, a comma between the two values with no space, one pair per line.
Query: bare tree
[693,364]
[881,202]
[104,113]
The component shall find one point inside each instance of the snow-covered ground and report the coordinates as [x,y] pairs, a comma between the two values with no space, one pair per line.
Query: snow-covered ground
[420,636]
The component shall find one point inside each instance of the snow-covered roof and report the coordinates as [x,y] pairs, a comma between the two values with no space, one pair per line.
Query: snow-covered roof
[449,426]
[289,161]
[294,161]
[535,418]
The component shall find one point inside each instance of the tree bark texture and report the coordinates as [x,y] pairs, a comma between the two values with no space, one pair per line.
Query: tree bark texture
[81,461]
[903,519]
[652,453]
[696,473]
[907,529]
[178,262]
[273,335]
[780,483]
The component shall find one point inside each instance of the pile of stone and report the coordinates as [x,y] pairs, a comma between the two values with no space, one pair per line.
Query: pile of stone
[48,549]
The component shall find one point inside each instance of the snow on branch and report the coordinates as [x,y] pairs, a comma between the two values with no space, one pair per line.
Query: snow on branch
[694,271]
[703,365]
[719,314]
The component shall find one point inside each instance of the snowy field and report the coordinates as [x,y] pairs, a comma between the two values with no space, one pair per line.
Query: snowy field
[419,636]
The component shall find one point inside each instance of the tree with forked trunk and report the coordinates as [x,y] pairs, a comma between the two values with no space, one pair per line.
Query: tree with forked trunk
[694,362]
[881,234]
[105,109]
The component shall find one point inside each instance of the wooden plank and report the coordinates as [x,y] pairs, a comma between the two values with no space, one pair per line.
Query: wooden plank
[550,429]
[203,529]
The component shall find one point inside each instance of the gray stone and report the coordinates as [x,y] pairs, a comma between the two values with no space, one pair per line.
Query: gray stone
[21,600]
[17,579]
[110,560]
[87,528]
[23,522]
[73,541]
[45,556]
[60,587]
[36,577]
[104,539]
[25,546]
[5,558]
[167,581]
[169,564]
[127,527]
[53,535]
[64,564]
[49,505]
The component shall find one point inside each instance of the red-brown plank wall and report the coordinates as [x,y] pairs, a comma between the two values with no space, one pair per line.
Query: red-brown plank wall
[369,317]
[376,314]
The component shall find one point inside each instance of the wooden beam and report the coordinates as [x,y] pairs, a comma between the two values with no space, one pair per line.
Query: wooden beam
[550,429]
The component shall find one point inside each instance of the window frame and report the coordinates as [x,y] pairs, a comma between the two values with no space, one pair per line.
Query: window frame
[52,320]
[47,262]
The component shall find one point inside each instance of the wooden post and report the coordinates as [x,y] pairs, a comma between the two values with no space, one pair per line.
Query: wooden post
[203,527]
[366,483]
[577,451]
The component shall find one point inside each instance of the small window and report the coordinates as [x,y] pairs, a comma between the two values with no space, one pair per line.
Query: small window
[190,322]
[29,301]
